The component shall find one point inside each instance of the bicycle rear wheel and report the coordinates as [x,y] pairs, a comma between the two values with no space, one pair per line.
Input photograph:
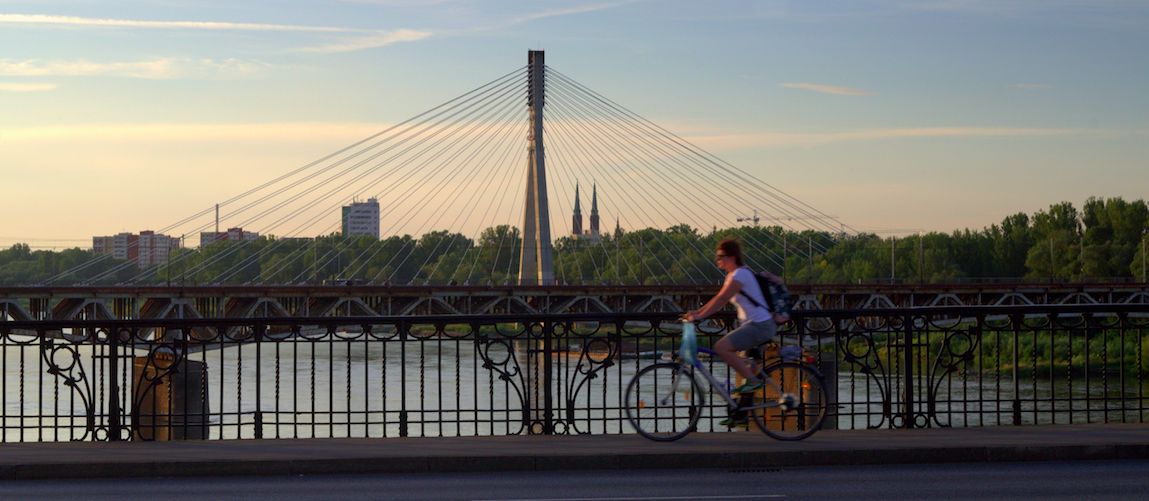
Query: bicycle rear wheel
[795,412]
[664,401]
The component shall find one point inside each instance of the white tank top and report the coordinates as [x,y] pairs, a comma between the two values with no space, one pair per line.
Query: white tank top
[747,312]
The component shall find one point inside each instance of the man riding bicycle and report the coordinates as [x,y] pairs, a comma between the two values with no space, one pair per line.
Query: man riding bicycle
[756,321]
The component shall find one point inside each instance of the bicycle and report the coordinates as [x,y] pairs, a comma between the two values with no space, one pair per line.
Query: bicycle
[664,401]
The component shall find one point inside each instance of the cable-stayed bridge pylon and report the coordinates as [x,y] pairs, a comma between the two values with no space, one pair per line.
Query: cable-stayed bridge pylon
[449,210]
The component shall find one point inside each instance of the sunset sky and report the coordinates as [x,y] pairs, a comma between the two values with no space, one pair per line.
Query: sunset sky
[894,116]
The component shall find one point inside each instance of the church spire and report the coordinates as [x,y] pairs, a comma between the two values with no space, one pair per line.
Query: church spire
[576,218]
[594,210]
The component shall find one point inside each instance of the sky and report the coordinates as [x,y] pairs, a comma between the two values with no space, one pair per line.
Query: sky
[892,116]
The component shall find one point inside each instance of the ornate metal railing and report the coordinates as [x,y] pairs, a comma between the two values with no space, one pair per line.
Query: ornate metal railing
[547,374]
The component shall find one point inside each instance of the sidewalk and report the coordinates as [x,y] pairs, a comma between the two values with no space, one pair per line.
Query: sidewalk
[744,450]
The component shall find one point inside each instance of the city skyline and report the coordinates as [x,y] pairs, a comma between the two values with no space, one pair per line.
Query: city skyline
[895,117]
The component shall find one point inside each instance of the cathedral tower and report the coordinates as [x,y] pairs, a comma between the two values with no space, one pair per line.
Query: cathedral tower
[576,218]
[593,210]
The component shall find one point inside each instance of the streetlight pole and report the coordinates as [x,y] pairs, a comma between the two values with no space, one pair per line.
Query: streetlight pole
[786,254]
[921,260]
[1081,252]
[810,254]
[892,240]
[1143,233]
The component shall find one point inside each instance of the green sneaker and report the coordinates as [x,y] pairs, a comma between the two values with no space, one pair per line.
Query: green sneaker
[748,387]
[736,420]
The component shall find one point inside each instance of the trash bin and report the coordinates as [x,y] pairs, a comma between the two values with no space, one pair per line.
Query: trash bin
[173,408]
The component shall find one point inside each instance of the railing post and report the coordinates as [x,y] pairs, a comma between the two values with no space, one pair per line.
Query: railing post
[403,416]
[114,423]
[1016,320]
[259,330]
[908,373]
[548,379]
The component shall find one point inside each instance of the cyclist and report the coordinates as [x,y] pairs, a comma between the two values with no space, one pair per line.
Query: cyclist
[756,322]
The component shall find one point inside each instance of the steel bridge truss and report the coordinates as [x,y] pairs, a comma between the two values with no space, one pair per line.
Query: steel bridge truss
[239,302]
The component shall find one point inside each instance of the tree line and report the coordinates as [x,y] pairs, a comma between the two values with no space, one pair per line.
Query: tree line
[1103,240]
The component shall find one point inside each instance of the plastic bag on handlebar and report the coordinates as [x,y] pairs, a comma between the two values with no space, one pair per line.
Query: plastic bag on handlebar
[689,348]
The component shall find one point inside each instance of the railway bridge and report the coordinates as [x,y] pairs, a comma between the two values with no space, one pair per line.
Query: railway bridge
[238,302]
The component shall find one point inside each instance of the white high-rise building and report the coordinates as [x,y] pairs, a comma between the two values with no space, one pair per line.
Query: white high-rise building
[361,218]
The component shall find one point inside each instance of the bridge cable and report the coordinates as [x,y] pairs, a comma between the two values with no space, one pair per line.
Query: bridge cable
[691,191]
[506,140]
[377,166]
[286,176]
[675,161]
[579,148]
[331,254]
[437,130]
[698,152]
[606,143]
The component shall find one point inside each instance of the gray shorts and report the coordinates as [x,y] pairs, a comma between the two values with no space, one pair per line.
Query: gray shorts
[751,334]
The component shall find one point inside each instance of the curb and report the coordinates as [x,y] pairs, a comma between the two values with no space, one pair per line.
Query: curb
[738,450]
[557,461]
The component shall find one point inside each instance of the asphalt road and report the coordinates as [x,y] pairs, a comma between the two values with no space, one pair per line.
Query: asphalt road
[1034,480]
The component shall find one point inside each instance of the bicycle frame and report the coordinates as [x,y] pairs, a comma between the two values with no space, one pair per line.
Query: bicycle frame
[794,422]
[724,391]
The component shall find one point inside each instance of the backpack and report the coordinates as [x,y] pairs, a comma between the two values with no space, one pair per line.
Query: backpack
[777,296]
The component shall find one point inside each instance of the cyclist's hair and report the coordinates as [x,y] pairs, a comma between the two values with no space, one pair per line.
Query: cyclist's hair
[730,247]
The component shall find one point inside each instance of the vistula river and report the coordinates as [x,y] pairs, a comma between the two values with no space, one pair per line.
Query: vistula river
[441,387]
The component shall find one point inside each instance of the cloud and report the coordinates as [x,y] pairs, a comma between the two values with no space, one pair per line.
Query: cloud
[157,69]
[27,87]
[809,139]
[582,9]
[826,89]
[526,18]
[40,19]
[192,132]
[371,39]
[369,42]
[1030,86]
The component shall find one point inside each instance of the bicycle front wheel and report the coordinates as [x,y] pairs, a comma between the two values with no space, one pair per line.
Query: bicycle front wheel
[792,403]
[664,402]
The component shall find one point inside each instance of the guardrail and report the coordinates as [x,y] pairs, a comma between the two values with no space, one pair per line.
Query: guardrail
[548,374]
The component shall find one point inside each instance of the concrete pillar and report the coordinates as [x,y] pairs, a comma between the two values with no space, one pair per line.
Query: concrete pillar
[535,265]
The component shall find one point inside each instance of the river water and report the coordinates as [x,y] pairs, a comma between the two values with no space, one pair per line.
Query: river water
[305,389]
